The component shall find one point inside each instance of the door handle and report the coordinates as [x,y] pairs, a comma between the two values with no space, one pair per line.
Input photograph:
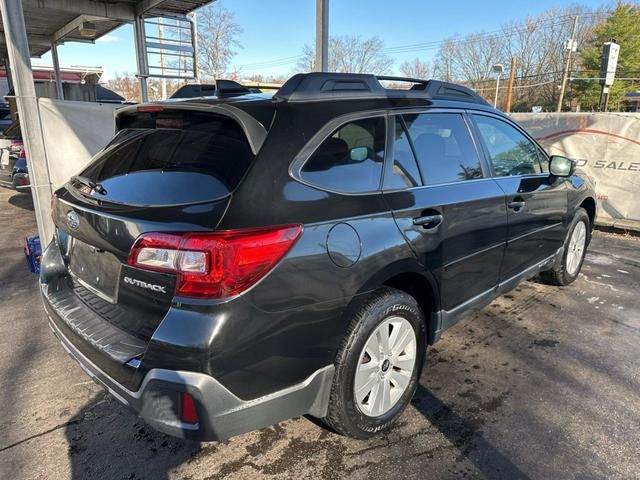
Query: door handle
[428,221]
[517,205]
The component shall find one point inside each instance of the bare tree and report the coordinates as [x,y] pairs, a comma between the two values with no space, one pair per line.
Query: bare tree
[472,57]
[537,44]
[127,85]
[217,39]
[539,50]
[350,55]
[415,68]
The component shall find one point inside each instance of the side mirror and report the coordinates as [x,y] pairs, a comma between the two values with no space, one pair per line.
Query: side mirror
[359,154]
[561,166]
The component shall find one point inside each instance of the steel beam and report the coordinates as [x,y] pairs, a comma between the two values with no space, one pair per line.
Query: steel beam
[27,103]
[113,10]
[35,40]
[146,5]
[141,57]
[322,36]
[56,70]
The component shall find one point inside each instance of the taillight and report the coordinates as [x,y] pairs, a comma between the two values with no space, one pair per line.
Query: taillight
[216,264]
[188,412]
[151,108]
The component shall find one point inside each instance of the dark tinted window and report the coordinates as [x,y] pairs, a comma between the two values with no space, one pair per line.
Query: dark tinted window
[510,151]
[185,159]
[444,148]
[350,159]
[404,171]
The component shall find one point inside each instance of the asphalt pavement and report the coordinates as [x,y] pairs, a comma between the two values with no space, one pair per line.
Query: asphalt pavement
[542,384]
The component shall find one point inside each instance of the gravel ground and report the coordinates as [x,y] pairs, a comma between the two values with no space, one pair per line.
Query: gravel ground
[544,384]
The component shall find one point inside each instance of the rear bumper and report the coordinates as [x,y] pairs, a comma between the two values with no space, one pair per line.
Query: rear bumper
[221,414]
[17,181]
[21,181]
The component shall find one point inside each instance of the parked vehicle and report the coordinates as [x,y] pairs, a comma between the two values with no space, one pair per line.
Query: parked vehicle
[5,116]
[228,263]
[14,173]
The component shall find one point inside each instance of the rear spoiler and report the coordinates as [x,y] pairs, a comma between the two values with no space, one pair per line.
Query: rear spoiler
[255,132]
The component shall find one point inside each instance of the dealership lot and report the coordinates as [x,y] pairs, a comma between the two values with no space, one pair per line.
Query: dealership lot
[543,383]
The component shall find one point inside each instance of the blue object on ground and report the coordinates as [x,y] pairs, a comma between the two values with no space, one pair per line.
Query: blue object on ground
[33,252]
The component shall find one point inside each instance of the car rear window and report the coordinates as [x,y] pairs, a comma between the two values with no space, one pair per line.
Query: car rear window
[171,158]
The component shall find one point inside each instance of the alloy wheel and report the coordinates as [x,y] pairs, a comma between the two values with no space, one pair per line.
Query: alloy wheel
[576,248]
[385,366]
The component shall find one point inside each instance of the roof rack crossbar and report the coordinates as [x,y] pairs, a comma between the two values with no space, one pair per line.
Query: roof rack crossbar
[317,86]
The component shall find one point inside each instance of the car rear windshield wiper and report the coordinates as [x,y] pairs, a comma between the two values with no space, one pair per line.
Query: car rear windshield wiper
[87,182]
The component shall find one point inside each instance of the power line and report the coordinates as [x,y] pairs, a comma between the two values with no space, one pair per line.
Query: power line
[495,34]
[434,45]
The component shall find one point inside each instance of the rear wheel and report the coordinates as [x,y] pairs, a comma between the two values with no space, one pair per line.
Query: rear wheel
[378,365]
[575,248]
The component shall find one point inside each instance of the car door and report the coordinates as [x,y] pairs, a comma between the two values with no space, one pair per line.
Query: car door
[536,201]
[451,212]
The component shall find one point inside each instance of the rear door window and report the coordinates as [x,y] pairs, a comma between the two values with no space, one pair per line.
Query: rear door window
[172,159]
[350,160]
[444,147]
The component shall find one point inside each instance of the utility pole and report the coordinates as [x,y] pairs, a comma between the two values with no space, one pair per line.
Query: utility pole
[570,47]
[322,36]
[512,75]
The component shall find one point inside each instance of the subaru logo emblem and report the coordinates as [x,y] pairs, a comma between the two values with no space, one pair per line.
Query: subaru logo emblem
[73,220]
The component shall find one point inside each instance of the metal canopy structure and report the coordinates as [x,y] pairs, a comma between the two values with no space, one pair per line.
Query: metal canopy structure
[58,21]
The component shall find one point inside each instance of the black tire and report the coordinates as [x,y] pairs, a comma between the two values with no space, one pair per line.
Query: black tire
[559,275]
[344,416]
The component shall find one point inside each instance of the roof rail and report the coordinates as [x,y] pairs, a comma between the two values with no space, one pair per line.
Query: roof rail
[315,86]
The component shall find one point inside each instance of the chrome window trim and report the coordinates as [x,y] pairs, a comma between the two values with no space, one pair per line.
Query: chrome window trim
[420,187]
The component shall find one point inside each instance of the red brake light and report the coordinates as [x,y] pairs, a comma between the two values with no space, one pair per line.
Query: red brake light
[188,413]
[217,264]
[151,108]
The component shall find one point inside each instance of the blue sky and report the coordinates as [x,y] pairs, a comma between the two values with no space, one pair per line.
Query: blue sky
[279,29]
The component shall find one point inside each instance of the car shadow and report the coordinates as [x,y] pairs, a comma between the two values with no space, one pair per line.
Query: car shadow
[22,200]
[105,440]
[466,435]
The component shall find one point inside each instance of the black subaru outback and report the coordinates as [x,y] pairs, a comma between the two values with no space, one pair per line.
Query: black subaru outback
[227,263]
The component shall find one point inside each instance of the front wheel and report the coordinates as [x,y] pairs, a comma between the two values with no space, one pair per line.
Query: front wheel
[575,248]
[378,365]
